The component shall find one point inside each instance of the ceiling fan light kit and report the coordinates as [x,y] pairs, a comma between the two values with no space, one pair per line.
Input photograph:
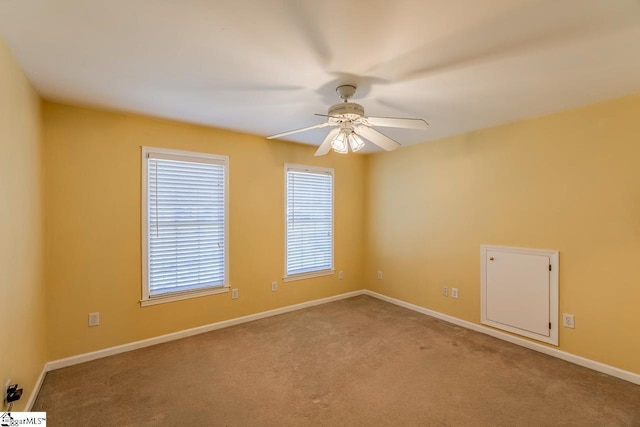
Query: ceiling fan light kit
[353,127]
[345,139]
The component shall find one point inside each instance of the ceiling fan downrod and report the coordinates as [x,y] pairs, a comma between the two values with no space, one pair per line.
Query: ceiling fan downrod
[346,91]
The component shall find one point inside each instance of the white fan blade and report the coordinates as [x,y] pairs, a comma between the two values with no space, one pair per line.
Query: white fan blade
[376,137]
[325,147]
[321,125]
[398,122]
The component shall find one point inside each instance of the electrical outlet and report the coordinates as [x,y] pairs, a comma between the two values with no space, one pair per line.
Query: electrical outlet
[94,319]
[379,275]
[454,293]
[341,274]
[274,286]
[234,293]
[445,291]
[568,321]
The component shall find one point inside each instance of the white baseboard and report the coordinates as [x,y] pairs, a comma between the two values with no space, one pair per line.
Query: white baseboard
[36,389]
[578,360]
[86,357]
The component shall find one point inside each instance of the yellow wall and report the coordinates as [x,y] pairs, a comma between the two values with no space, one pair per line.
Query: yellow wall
[22,292]
[92,197]
[569,181]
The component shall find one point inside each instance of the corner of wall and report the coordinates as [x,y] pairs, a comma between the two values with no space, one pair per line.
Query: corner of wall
[22,281]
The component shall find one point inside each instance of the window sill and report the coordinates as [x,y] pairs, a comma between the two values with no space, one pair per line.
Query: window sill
[183,295]
[310,275]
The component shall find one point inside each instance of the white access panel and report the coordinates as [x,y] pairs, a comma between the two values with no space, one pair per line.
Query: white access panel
[520,291]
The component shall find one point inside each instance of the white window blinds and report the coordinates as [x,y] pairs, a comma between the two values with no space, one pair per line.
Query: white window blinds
[186,222]
[309,220]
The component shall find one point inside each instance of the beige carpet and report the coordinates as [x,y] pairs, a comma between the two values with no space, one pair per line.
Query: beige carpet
[355,362]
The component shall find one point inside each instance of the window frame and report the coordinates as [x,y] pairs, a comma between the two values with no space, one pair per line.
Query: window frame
[148,299]
[317,170]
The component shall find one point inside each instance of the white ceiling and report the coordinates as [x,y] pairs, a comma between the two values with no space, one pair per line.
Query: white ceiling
[265,66]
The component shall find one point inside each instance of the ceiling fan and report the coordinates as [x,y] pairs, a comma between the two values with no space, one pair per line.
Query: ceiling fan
[350,126]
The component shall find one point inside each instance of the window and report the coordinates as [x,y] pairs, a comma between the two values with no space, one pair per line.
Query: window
[309,222]
[184,225]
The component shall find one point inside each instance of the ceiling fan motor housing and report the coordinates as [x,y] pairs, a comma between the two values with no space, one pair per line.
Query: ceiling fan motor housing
[349,110]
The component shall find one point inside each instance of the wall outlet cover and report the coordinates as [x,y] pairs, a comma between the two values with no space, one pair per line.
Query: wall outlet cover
[568,321]
[94,319]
